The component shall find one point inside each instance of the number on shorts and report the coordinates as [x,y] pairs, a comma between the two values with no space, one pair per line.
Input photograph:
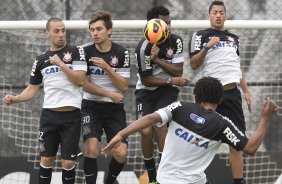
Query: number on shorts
[86,119]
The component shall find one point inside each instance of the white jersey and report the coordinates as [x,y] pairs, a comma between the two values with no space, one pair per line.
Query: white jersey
[171,51]
[192,140]
[117,58]
[59,91]
[222,61]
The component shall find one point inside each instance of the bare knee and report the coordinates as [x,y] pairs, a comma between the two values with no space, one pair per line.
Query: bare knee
[47,161]
[147,133]
[68,164]
[91,148]
[120,153]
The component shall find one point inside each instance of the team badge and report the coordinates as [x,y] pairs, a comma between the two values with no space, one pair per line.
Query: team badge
[114,61]
[86,129]
[41,146]
[169,52]
[67,57]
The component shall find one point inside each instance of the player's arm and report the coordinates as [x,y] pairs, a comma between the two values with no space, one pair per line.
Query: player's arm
[28,93]
[118,80]
[244,86]
[91,87]
[196,60]
[136,126]
[235,138]
[75,76]
[151,81]
[173,69]
[269,107]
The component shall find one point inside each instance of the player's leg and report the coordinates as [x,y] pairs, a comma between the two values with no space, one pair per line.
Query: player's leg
[70,135]
[91,133]
[231,107]
[48,144]
[115,122]
[236,164]
[165,95]
[144,106]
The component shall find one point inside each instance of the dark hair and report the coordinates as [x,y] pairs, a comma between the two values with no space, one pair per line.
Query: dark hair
[156,11]
[219,3]
[102,15]
[208,89]
[53,19]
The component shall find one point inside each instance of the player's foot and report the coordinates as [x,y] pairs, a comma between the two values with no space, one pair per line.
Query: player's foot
[154,182]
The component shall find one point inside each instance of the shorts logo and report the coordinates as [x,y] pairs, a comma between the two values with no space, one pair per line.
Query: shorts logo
[197,118]
[41,146]
[86,130]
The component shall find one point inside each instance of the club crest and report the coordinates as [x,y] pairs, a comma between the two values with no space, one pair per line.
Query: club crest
[67,57]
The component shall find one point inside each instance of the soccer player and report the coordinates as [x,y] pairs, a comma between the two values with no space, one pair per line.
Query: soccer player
[160,68]
[195,133]
[62,70]
[103,101]
[216,51]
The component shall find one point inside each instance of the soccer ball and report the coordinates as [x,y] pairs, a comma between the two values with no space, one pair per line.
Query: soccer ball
[156,31]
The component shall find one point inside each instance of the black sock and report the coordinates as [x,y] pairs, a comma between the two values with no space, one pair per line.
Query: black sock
[151,169]
[90,170]
[68,175]
[114,169]
[45,175]
[239,181]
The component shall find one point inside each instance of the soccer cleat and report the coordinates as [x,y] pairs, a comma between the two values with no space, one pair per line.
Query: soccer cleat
[154,182]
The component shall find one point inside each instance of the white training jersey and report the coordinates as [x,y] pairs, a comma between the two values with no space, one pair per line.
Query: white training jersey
[117,58]
[59,91]
[222,61]
[171,51]
[193,138]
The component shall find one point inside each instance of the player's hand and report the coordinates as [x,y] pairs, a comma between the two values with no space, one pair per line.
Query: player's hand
[55,60]
[269,107]
[154,52]
[114,143]
[179,81]
[116,97]
[213,41]
[99,62]
[8,99]
[248,100]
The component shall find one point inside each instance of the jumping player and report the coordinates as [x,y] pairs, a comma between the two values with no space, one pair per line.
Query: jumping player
[216,51]
[103,101]
[160,68]
[195,133]
[62,70]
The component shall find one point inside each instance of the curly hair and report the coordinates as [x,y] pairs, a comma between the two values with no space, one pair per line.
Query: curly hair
[156,11]
[208,89]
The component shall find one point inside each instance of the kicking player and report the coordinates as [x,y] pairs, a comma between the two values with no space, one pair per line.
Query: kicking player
[62,70]
[195,133]
[103,101]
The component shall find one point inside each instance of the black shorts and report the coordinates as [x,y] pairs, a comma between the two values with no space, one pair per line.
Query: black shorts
[59,128]
[98,117]
[231,107]
[148,101]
